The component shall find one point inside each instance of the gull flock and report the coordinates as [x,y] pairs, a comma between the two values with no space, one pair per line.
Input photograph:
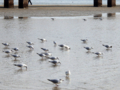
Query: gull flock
[54,60]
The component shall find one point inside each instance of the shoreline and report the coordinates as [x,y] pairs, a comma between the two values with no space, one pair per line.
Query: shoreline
[57,11]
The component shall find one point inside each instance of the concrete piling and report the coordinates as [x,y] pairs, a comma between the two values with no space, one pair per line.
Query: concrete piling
[23,4]
[111,3]
[97,3]
[8,3]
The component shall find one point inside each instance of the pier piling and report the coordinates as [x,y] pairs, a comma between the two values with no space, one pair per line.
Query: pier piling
[23,4]
[8,3]
[97,3]
[111,3]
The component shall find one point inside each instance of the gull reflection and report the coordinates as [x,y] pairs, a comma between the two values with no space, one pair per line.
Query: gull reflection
[56,88]
[98,57]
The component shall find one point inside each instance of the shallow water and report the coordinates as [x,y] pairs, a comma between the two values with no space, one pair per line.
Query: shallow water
[89,72]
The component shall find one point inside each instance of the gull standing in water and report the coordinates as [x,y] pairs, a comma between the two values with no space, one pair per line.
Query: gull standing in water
[5,44]
[44,49]
[41,55]
[84,40]
[68,73]
[98,53]
[62,45]
[107,46]
[53,58]
[88,48]
[16,56]
[43,39]
[56,81]
[31,47]
[47,54]
[55,62]
[54,43]
[67,47]
[30,43]
[15,49]
[8,51]
[21,65]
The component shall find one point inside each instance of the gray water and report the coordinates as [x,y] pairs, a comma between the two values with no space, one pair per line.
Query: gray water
[88,72]
[62,2]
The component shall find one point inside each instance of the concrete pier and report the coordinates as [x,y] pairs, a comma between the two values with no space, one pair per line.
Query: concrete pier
[111,3]
[23,4]
[97,3]
[8,3]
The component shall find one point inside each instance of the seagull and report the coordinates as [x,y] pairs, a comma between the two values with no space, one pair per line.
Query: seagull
[43,39]
[30,46]
[62,45]
[53,58]
[8,51]
[88,48]
[107,46]
[52,18]
[41,55]
[5,44]
[15,56]
[55,62]
[98,53]
[84,19]
[68,73]
[47,54]
[67,47]
[84,40]
[15,49]
[54,43]
[56,81]
[21,65]
[44,49]
[30,43]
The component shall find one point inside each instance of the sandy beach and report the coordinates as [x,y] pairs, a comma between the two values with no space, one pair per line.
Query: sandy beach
[56,11]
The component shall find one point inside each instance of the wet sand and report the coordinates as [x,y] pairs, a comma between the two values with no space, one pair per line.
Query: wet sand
[57,11]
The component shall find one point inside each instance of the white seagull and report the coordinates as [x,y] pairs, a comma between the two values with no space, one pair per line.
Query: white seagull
[98,53]
[107,46]
[67,47]
[68,73]
[47,54]
[54,43]
[15,49]
[88,48]
[30,43]
[21,65]
[41,55]
[43,39]
[84,40]
[30,46]
[62,45]
[53,58]
[55,62]
[15,56]
[56,81]
[5,44]
[8,51]
[44,49]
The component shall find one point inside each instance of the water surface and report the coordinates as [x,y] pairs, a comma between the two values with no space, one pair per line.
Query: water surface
[89,72]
